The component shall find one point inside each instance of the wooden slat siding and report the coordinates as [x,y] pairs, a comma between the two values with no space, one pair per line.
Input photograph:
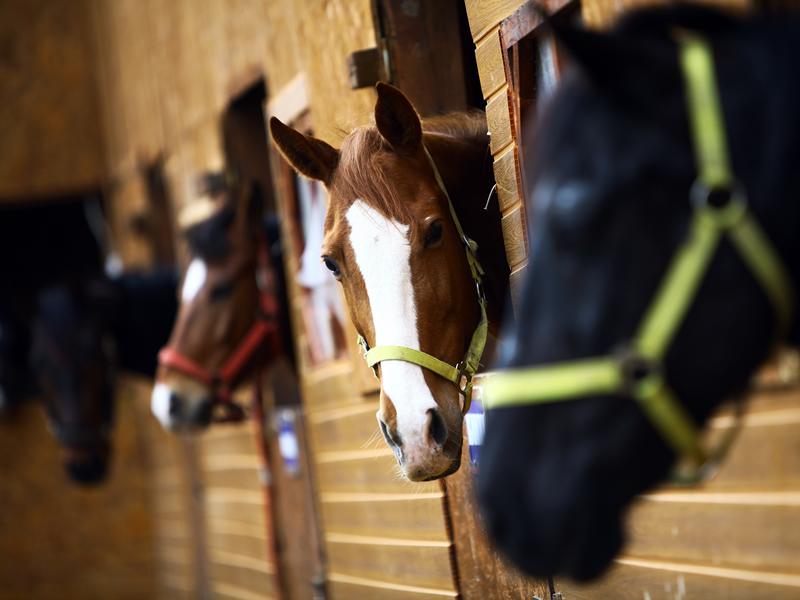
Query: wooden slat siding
[507,178]
[358,588]
[757,536]
[376,475]
[357,428]
[410,517]
[631,579]
[228,591]
[486,14]
[498,119]
[489,58]
[244,540]
[243,571]
[399,565]
[514,237]
[234,502]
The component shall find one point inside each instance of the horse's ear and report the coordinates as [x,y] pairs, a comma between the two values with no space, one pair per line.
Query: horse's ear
[397,120]
[311,157]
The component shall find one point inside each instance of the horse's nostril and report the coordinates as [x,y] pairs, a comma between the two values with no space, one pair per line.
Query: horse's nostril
[175,404]
[393,439]
[437,429]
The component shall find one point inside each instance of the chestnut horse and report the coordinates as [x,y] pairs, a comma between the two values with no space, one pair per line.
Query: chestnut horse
[229,319]
[624,198]
[391,241]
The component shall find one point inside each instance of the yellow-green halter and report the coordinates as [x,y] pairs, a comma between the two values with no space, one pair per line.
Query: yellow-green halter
[461,374]
[638,372]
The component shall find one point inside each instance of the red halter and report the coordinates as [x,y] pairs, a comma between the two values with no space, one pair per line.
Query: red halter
[265,327]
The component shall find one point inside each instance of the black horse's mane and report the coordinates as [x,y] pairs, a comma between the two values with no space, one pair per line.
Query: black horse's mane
[208,239]
[662,21]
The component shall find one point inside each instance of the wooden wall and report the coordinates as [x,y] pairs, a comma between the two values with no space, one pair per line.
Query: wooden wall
[734,537]
[60,540]
[50,138]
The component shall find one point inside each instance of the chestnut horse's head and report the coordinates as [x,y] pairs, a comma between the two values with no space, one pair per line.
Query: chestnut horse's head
[391,242]
[219,304]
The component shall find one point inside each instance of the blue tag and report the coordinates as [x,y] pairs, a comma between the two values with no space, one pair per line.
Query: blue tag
[287,441]
[475,429]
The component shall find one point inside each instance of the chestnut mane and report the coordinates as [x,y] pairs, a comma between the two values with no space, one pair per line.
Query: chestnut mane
[363,170]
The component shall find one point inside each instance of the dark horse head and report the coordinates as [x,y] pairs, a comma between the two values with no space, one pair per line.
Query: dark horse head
[73,355]
[614,164]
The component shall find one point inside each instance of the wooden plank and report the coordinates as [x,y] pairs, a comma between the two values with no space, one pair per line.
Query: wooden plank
[635,579]
[228,591]
[515,283]
[378,474]
[329,386]
[405,565]
[344,587]
[485,14]
[489,58]
[249,541]
[235,505]
[357,428]
[498,120]
[252,580]
[419,518]
[757,536]
[507,177]
[246,479]
[513,225]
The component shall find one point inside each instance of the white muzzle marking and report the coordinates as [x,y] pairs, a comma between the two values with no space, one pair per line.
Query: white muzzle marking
[382,251]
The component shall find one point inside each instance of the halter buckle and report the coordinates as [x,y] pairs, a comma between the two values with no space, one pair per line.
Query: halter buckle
[464,377]
[724,204]
[636,370]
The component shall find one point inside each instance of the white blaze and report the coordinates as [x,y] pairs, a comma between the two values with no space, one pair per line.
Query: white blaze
[382,251]
[159,404]
[194,280]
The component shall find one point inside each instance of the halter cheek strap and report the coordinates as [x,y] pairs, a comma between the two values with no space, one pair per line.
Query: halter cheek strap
[462,373]
[638,372]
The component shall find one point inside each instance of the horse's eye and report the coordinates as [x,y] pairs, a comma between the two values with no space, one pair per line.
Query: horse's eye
[332,266]
[221,291]
[434,234]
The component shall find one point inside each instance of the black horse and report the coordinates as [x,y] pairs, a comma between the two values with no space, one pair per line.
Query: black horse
[66,327]
[614,164]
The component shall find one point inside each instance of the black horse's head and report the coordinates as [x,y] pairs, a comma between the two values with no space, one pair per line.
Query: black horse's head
[72,353]
[610,184]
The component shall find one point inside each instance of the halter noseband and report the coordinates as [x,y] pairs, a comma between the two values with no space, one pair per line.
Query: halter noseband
[638,372]
[223,380]
[462,373]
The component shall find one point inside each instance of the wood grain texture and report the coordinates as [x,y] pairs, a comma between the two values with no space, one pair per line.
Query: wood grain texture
[661,580]
[498,119]
[507,177]
[603,13]
[485,14]
[514,237]
[489,58]
[404,565]
[344,587]
[408,518]
[50,137]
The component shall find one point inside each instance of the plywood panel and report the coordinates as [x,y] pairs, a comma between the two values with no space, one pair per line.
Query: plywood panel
[633,579]
[489,57]
[424,565]
[411,517]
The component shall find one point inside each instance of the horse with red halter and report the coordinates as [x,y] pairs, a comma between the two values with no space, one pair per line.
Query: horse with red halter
[406,200]
[664,257]
[231,318]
